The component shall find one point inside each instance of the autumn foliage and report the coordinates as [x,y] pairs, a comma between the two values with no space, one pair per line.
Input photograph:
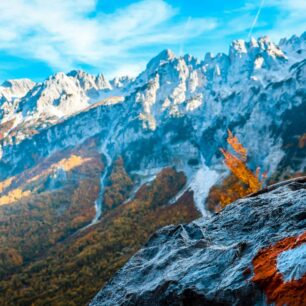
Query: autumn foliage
[225,193]
[241,182]
[72,272]
[118,187]
[237,164]
[36,214]
[44,257]
[237,146]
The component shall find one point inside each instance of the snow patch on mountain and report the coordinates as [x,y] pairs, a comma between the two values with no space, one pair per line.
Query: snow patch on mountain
[12,89]
[201,182]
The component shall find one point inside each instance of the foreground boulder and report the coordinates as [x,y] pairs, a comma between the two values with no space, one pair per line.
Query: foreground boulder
[252,253]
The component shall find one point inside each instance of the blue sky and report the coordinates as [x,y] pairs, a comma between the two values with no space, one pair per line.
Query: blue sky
[41,37]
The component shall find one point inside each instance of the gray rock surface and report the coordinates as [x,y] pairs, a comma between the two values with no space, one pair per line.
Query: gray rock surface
[205,262]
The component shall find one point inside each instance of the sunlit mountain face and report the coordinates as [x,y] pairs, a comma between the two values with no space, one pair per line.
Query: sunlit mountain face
[90,167]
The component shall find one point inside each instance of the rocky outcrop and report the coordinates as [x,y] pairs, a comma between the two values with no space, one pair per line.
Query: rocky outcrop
[251,253]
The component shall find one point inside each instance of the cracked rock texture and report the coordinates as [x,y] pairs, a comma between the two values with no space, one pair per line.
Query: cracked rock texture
[211,261]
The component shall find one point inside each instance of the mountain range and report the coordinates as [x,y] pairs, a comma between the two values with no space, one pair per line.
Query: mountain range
[84,159]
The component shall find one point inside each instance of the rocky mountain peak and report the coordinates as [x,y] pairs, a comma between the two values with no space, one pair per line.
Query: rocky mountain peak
[175,89]
[90,82]
[191,60]
[237,48]
[295,45]
[12,89]
[159,60]
[102,83]
[59,95]
[121,82]
[254,42]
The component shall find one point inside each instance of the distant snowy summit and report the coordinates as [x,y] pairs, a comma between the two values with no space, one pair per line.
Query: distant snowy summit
[175,113]
[172,81]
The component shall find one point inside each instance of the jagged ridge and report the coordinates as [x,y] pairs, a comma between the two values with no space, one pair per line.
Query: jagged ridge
[174,112]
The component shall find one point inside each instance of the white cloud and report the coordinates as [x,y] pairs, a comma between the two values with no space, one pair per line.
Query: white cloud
[66,33]
[291,5]
[291,18]
[287,17]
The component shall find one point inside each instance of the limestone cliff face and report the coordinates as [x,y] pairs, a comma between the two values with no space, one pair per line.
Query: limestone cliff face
[174,114]
[252,253]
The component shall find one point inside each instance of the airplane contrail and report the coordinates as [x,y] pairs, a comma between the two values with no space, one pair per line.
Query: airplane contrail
[256,18]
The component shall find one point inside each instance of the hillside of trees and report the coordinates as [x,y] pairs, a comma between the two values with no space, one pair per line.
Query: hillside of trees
[43,263]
